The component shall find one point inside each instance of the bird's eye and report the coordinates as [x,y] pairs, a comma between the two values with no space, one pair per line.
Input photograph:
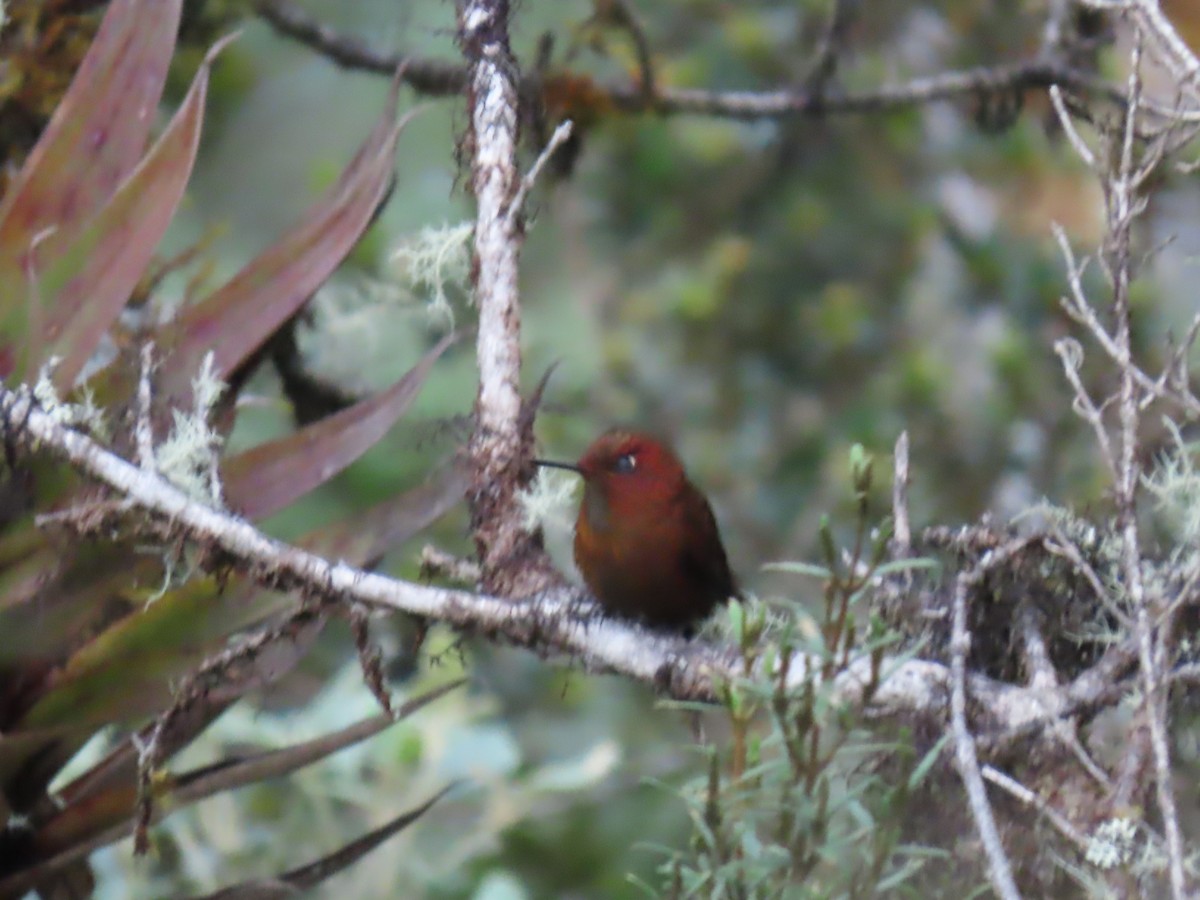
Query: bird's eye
[625,463]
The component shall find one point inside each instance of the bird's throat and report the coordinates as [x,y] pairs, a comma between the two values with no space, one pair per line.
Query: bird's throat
[596,508]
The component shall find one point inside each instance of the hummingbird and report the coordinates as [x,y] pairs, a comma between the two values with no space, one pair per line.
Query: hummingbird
[646,541]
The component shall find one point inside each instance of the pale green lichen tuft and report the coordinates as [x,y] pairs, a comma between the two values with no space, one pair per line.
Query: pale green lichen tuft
[84,415]
[434,259]
[1113,844]
[189,457]
[548,501]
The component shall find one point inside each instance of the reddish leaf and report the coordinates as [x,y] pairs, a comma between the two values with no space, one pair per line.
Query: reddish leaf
[358,541]
[271,662]
[94,139]
[118,244]
[361,541]
[235,320]
[104,816]
[269,477]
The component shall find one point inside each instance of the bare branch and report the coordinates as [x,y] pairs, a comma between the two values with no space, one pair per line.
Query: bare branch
[561,135]
[553,624]
[901,528]
[1128,163]
[999,868]
[433,77]
[833,40]
[1068,125]
[1029,798]
[440,78]
[144,426]
[1036,657]
[621,13]
[1122,210]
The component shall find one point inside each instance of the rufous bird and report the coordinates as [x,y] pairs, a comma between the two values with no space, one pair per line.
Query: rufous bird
[646,541]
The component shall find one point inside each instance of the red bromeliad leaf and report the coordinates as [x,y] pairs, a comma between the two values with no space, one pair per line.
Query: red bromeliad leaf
[361,541]
[93,141]
[104,816]
[235,320]
[118,244]
[269,477]
[124,671]
[270,662]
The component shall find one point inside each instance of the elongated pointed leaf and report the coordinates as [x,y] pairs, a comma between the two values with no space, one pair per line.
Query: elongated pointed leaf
[105,816]
[118,244]
[124,672]
[271,476]
[17,748]
[363,539]
[93,141]
[238,773]
[270,662]
[92,683]
[235,320]
[304,878]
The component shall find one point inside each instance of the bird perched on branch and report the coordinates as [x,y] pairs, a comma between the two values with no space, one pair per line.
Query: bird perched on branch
[646,541]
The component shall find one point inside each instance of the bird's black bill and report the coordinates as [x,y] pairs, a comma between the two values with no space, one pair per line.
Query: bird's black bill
[551,464]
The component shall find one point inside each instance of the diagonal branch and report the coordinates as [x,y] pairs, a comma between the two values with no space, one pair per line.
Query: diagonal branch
[553,624]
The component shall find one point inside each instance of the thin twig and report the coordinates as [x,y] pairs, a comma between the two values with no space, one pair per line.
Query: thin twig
[436,563]
[144,426]
[901,526]
[1029,798]
[829,48]
[561,135]
[999,868]
[626,19]
[1070,353]
[1068,126]
[431,77]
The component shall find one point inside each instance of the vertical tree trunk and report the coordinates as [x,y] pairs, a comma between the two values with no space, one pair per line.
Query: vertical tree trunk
[509,554]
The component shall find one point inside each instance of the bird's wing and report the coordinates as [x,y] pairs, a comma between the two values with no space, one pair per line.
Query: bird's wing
[703,555]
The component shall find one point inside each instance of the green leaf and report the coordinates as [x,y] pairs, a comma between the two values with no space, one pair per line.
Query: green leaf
[799,568]
[908,565]
[927,762]
[271,661]
[124,672]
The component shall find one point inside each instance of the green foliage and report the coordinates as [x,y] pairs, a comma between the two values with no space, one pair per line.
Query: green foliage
[806,801]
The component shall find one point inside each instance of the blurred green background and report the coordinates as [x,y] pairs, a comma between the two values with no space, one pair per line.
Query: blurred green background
[764,294]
